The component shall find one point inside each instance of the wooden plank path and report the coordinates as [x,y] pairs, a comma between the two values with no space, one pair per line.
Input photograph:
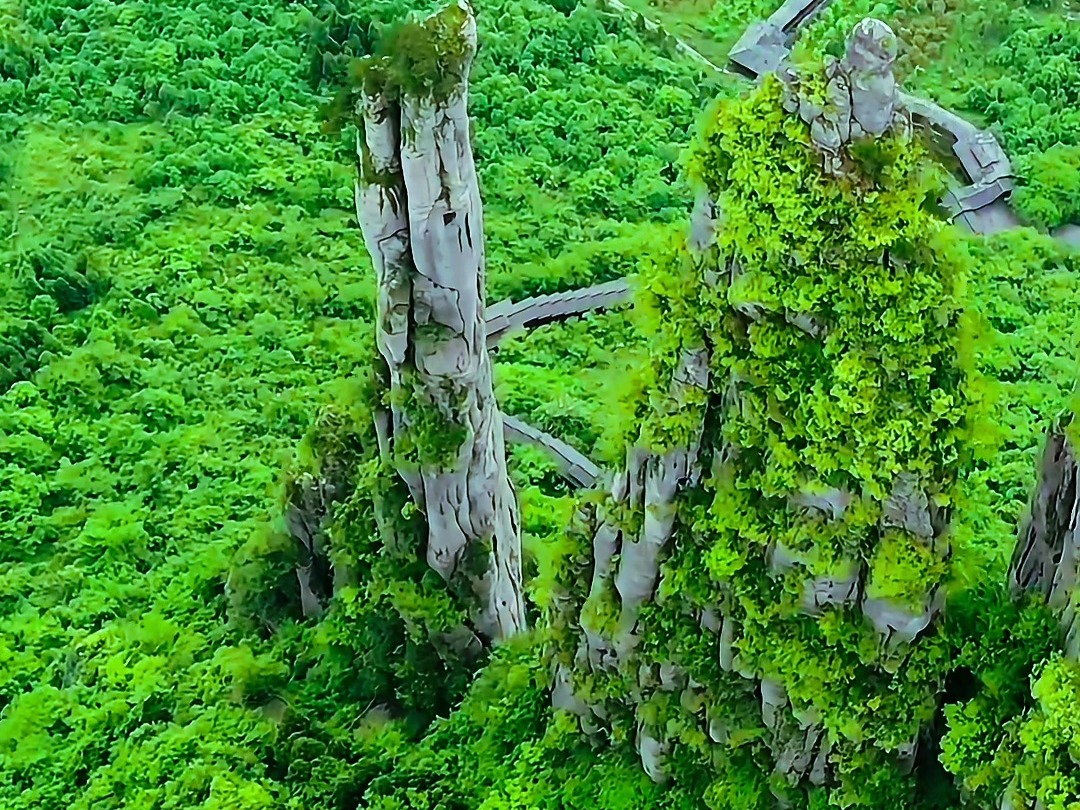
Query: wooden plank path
[573,465]
[507,317]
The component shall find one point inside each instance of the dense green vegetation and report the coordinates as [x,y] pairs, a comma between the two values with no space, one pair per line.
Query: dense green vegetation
[185,296]
[185,288]
[877,396]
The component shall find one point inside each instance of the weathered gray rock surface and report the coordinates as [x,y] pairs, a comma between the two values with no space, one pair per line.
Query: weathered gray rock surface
[419,207]
[863,97]
[1047,556]
[626,563]
[306,517]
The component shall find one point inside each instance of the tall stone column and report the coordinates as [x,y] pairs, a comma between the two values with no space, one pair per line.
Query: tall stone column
[791,535]
[418,204]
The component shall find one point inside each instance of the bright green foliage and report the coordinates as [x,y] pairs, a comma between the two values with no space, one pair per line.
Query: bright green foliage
[418,58]
[1003,641]
[1035,100]
[710,27]
[393,608]
[1050,739]
[1035,105]
[1025,293]
[1031,757]
[503,749]
[921,27]
[185,291]
[1049,194]
[1012,732]
[726,22]
[122,61]
[141,465]
[1007,65]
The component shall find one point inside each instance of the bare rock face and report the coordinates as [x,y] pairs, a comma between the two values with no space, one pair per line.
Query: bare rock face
[418,203]
[862,97]
[652,753]
[1046,560]
[839,588]
[306,517]
[311,499]
[898,624]
[1047,557]
[869,68]
[908,507]
[799,743]
[826,501]
[655,480]
[627,565]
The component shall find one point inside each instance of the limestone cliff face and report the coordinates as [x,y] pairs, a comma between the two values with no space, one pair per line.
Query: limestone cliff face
[418,203]
[1047,555]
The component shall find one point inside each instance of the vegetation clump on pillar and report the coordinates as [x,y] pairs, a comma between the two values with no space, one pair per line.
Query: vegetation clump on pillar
[789,606]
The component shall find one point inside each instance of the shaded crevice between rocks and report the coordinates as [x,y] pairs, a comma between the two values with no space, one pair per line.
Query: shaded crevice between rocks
[307,517]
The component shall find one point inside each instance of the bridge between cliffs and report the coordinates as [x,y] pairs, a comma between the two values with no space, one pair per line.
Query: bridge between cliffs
[507,317]
[981,205]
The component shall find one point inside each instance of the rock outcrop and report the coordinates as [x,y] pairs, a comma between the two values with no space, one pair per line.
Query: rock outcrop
[626,559]
[418,203]
[863,99]
[1047,556]
[307,515]
[703,501]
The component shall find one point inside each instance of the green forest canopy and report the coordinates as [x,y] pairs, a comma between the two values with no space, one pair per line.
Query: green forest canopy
[183,290]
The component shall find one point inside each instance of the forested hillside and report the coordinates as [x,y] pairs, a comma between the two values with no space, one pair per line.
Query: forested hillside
[187,325]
